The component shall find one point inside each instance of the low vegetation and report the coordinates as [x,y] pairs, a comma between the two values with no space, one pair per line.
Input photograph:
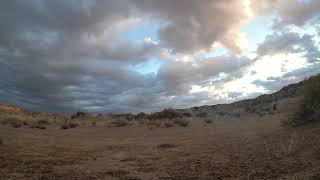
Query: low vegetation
[183,122]
[69,125]
[208,120]
[309,109]
[1,142]
[120,122]
[38,126]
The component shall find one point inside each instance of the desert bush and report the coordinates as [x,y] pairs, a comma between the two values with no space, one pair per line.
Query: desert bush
[16,124]
[168,124]
[65,126]
[120,122]
[208,121]
[165,114]
[309,109]
[73,125]
[154,123]
[93,123]
[43,121]
[8,120]
[181,122]
[38,126]
[69,125]
[79,115]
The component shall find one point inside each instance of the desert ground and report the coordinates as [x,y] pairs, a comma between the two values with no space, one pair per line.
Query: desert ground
[220,146]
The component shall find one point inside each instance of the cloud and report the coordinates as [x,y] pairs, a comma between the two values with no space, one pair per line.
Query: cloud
[190,26]
[289,42]
[81,55]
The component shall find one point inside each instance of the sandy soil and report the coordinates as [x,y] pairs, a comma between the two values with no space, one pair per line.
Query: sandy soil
[249,147]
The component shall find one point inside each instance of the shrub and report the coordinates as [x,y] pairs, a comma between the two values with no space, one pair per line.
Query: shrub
[38,126]
[16,124]
[79,115]
[168,124]
[93,123]
[165,114]
[120,122]
[65,126]
[181,122]
[73,125]
[155,123]
[208,121]
[8,120]
[43,121]
[309,109]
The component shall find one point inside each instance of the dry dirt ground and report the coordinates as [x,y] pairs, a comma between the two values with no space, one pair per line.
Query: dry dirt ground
[249,147]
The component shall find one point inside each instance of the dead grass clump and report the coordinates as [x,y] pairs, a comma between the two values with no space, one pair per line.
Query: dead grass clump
[183,122]
[120,122]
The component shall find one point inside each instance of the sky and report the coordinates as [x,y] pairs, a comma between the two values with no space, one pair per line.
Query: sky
[148,55]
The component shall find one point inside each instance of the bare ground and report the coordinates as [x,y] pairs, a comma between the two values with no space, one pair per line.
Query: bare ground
[249,147]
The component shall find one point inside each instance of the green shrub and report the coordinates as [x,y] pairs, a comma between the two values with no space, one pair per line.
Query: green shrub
[309,109]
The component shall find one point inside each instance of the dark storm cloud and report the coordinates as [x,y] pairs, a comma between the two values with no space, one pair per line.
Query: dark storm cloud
[70,55]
